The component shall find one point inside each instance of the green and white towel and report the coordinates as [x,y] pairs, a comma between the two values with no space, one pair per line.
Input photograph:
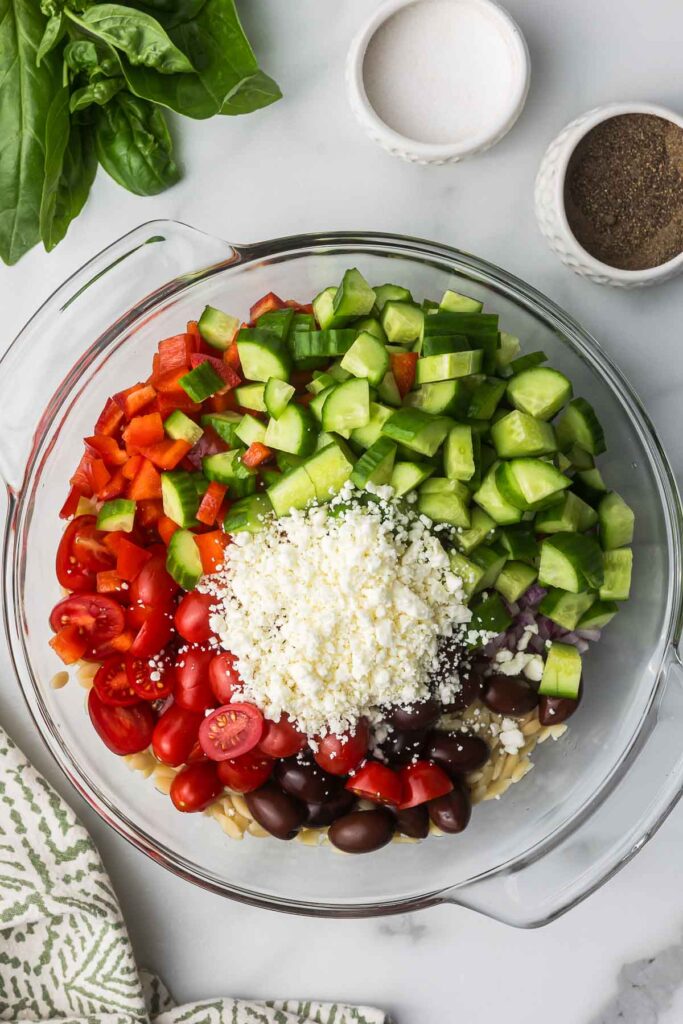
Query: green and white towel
[65,954]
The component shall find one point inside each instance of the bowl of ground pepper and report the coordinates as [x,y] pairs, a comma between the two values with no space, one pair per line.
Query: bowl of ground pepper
[609,194]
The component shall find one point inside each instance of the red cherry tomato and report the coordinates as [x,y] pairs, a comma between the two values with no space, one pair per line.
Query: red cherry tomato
[153,586]
[377,782]
[421,782]
[281,739]
[175,735]
[89,549]
[96,617]
[339,755]
[192,617]
[153,681]
[112,684]
[123,730]
[230,731]
[71,572]
[246,773]
[192,689]
[154,633]
[224,678]
[195,787]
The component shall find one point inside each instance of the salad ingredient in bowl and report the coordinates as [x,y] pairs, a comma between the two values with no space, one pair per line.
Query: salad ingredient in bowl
[338,565]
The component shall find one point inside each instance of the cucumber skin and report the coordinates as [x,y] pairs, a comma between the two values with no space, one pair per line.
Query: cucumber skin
[182,563]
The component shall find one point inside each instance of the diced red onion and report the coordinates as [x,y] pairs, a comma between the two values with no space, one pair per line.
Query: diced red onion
[589,634]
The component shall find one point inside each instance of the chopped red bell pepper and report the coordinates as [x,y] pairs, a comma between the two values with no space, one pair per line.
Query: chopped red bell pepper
[211,503]
[256,454]
[300,307]
[168,403]
[231,356]
[99,476]
[166,528]
[110,582]
[212,549]
[146,483]
[110,419]
[132,400]
[130,559]
[403,365]
[229,376]
[132,466]
[114,488]
[69,644]
[149,511]
[266,304]
[69,507]
[222,402]
[81,480]
[112,540]
[143,431]
[193,331]
[166,454]
[123,642]
[174,353]
[107,449]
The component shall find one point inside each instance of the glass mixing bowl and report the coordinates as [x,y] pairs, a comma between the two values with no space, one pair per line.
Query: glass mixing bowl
[593,798]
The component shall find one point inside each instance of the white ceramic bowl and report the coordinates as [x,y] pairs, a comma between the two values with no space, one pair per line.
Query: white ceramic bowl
[550,207]
[438,153]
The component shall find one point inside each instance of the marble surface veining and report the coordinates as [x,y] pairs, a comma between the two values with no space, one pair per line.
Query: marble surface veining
[303,165]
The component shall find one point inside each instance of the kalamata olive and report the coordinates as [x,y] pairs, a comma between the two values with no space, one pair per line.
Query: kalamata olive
[471,684]
[554,710]
[362,831]
[452,812]
[456,752]
[509,695]
[415,716]
[413,822]
[278,813]
[403,747]
[320,815]
[305,780]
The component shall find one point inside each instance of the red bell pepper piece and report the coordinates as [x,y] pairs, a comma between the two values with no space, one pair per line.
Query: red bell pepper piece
[212,549]
[123,642]
[110,419]
[110,582]
[211,503]
[69,507]
[166,454]
[300,307]
[256,454]
[231,356]
[149,511]
[114,488]
[266,304]
[132,466]
[403,366]
[81,479]
[168,403]
[146,483]
[107,449]
[143,431]
[99,476]
[69,644]
[231,379]
[174,353]
[112,540]
[166,528]
[222,402]
[134,399]
[130,559]
[193,331]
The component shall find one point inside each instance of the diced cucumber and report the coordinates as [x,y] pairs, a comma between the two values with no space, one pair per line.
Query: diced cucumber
[321,344]
[448,366]
[371,325]
[367,358]
[337,373]
[277,395]
[323,309]
[517,434]
[251,396]
[528,362]
[562,672]
[329,469]
[599,615]
[618,566]
[316,406]
[520,543]
[449,397]
[249,430]
[269,476]
[467,571]
[179,496]
[530,483]
[417,430]
[568,514]
[227,468]
[481,528]
[566,609]
[279,321]
[294,490]
[492,501]
[348,406]
[285,461]
[303,322]
[320,382]
[180,427]
[480,329]
[354,296]
[391,293]
[454,302]
[590,486]
[442,344]
[263,355]
[539,392]
[388,390]
[485,398]
[117,514]
[217,328]
[367,435]
[293,432]
[248,515]
[508,347]
[491,560]
[402,322]
[571,561]
[406,476]
[376,465]
[429,306]
[514,580]
[580,459]
[183,560]
[563,463]
[579,425]
[444,501]
[224,423]
[489,615]
[323,439]
[459,453]
[201,382]
[616,522]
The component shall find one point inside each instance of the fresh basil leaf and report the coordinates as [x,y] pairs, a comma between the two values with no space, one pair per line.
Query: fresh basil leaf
[70,166]
[26,92]
[169,12]
[99,92]
[134,145]
[56,140]
[53,34]
[93,59]
[138,35]
[251,94]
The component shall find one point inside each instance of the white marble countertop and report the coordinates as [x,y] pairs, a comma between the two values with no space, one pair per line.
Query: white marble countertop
[304,165]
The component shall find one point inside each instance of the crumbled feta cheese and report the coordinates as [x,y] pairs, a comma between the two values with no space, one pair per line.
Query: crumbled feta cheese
[533,669]
[511,736]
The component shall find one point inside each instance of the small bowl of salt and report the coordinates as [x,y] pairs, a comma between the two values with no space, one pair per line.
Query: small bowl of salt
[433,81]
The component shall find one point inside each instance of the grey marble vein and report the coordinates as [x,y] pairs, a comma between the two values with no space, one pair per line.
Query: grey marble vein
[645,989]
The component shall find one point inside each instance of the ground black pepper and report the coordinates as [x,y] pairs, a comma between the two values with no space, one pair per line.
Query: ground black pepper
[624,191]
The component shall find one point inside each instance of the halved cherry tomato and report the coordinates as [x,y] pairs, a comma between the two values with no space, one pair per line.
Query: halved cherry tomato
[150,681]
[154,633]
[195,787]
[281,739]
[112,683]
[192,689]
[130,559]
[224,678]
[421,782]
[88,547]
[97,618]
[153,585]
[123,730]
[340,755]
[377,782]
[192,617]
[246,773]
[175,735]
[70,572]
[231,731]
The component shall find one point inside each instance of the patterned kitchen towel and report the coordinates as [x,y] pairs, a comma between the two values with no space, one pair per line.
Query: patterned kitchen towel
[65,954]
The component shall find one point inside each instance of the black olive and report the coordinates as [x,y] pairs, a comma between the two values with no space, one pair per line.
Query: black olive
[362,831]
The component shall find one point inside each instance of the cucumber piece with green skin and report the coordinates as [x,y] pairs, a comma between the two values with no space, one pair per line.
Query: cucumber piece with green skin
[489,615]
[367,358]
[514,580]
[580,459]
[320,382]
[251,396]
[323,439]
[480,329]
[376,465]
[530,483]
[278,321]
[407,476]
[367,435]
[224,423]
[323,310]
[183,561]
[228,469]
[562,672]
[218,328]
[391,293]
[491,560]
[442,485]
[599,615]
[388,390]
[563,463]
[568,514]
[465,570]
[492,501]
[528,362]
[293,432]
[508,348]
[269,476]
[371,325]
[516,434]
[539,392]
[338,374]
[180,427]
[481,528]
[520,543]
[590,486]
[329,469]
[316,406]
[460,453]
[248,515]
[321,344]
[180,497]
[449,397]
[444,506]
[354,296]
[201,382]
[295,490]
[263,355]
[571,561]
[485,399]
[579,425]
[285,461]
[616,522]
[618,567]
[117,514]
[448,367]
[429,306]
[277,395]
[566,609]
[249,430]
[454,302]
[417,430]
[442,344]
[402,322]
[347,407]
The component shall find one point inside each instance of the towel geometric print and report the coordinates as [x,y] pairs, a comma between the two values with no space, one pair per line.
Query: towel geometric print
[65,955]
